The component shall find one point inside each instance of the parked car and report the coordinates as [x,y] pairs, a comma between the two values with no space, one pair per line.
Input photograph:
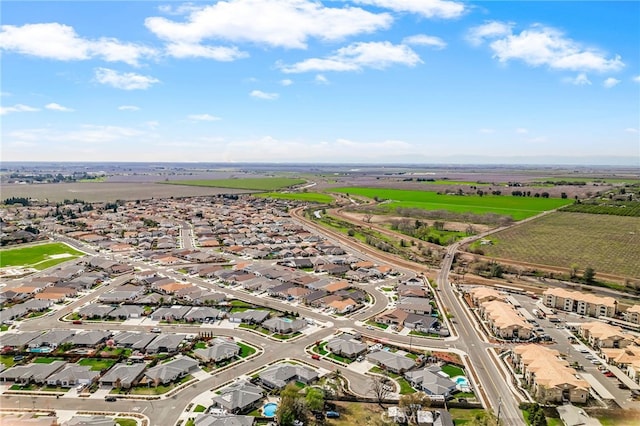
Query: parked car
[315,356]
[77,321]
[332,414]
[109,398]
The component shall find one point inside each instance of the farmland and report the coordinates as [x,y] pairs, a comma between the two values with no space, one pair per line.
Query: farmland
[312,197]
[564,239]
[40,256]
[517,207]
[259,184]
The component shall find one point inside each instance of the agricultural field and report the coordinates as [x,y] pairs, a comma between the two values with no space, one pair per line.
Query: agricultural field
[312,197]
[40,256]
[259,184]
[517,207]
[609,244]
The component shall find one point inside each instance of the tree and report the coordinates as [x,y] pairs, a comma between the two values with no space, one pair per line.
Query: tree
[414,402]
[589,274]
[292,406]
[380,388]
[574,270]
[315,399]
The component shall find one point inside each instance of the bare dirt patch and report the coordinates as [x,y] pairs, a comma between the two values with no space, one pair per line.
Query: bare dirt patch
[386,220]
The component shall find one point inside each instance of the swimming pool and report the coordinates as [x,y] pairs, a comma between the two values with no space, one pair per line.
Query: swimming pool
[461,381]
[269,409]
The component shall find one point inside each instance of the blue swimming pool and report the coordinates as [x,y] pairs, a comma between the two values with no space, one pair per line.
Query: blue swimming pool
[462,381]
[269,409]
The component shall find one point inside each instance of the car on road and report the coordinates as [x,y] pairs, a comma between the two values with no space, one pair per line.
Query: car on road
[110,398]
[609,374]
[77,321]
[315,356]
[156,330]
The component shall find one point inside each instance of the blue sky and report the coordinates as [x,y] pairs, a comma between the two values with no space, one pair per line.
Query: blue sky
[370,81]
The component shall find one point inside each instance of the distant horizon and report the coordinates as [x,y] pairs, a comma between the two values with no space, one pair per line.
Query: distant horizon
[358,82]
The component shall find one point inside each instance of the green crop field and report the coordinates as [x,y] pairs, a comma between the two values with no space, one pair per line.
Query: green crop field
[40,256]
[312,197]
[608,244]
[517,207]
[259,184]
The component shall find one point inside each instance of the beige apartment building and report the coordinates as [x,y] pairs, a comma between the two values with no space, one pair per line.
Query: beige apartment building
[549,377]
[632,314]
[601,335]
[581,303]
[504,321]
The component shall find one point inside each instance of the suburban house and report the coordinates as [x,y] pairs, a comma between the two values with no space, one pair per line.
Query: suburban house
[284,325]
[250,316]
[242,397]
[72,375]
[415,305]
[171,371]
[346,345]
[484,294]
[165,343]
[225,420]
[123,375]
[432,381]
[391,361]
[550,378]
[31,373]
[279,375]
[133,340]
[219,349]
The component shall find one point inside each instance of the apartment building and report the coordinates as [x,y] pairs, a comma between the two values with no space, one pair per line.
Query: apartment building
[581,303]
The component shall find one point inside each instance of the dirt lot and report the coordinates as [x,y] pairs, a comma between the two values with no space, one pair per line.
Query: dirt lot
[386,220]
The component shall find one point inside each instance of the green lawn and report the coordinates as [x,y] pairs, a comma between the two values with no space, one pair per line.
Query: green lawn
[246,350]
[452,370]
[40,256]
[126,422]
[312,197]
[46,360]
[7,360]
[200,408]
[97,364]
[260,184]
[405,387]
[377,324]
[517,207]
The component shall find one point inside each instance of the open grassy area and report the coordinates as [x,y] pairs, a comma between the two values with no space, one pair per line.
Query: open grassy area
[259,184]
[46,359]
[608,244]
[452,370]
[466,416]
[246,350]
[312,197]
[517,207]
[455,182]
[39,256]
[98,364]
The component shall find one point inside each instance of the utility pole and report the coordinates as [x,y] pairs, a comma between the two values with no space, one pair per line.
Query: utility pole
[499,408]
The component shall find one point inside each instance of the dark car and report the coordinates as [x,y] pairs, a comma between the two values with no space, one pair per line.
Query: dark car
[110,398]
[332,414]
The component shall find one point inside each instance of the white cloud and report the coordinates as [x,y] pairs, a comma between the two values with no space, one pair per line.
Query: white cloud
[282,23]
[321,79]
[579,80]
[125,80]
[540,45]
[426,8]
[57,107]
[631,130]
[286,82]
[522,130]
[636,79]
[259,94]
[84,134]
[356,56]
[194,50]
[203,117]
[61,42]
[17,108]
[491,29]
[425,40]
[128,108]
[610,82]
